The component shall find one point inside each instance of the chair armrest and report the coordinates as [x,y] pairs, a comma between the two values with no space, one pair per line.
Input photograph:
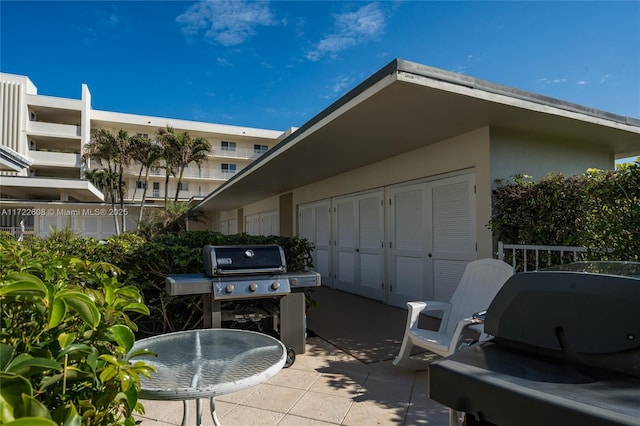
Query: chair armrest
[475,322]
[416,308]
[463,324]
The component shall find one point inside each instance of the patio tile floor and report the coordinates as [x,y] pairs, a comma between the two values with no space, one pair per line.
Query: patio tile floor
[324,386]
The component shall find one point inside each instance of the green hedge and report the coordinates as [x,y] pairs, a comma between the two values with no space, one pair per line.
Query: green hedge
[599,210]
[146,263]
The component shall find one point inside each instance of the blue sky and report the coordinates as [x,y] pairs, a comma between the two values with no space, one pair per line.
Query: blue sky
[277,64]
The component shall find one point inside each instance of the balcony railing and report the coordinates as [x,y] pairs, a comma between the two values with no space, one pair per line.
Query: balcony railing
[240,153]
[160,194]
[188,173]
[53,129]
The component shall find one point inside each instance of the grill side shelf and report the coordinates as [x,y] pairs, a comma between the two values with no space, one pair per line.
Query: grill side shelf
[186,284]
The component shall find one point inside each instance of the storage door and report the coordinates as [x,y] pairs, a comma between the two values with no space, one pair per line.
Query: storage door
[314,224]
[228,227]
[359,244]
[432,238]
[454,232]
[269,223]
[252,224]
[410,266]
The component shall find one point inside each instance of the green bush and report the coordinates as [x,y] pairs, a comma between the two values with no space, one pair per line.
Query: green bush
[599,210]
[64,338]
[178,253]
[147,261]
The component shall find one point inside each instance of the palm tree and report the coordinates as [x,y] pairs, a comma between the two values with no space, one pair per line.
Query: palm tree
[122,159]
[112,149]
[101,148]
[168,141]
[189,151]
[148,153]
[101,180]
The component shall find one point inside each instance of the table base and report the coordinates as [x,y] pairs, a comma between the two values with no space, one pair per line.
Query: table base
[212,407]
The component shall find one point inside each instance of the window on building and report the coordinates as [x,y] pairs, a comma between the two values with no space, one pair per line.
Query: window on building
[144,135]
[228,168]
[140,184]
[184,186]
[228,146]
[260,149]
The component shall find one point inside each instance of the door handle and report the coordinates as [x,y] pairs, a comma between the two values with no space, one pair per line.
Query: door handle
[430,255]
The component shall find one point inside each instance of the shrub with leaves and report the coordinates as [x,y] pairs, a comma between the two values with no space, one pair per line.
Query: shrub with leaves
[178,253]
[599,209]
[65,334]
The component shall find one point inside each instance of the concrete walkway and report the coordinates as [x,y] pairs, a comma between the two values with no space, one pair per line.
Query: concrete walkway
[324,386]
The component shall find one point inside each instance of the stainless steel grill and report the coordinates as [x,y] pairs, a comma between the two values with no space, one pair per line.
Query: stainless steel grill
[245,285]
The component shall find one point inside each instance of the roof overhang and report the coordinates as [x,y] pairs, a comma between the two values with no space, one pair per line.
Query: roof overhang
[12,161]
[405,106]
[28,188]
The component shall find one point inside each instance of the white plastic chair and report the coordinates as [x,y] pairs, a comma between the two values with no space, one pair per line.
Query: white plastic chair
[481,281]
[479,284]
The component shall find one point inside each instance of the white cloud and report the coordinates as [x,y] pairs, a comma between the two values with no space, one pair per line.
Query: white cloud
[604,78]
[350,29]
[228,23]
[582,83]
[545,80]
[339,87]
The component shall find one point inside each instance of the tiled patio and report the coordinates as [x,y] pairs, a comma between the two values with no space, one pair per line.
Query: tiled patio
[345,377]
[324,386]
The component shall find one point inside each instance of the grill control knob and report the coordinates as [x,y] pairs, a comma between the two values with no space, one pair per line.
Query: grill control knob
[229,288]
[275,285]
[253,287]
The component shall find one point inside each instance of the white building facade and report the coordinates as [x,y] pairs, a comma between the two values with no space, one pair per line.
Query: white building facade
[42,184]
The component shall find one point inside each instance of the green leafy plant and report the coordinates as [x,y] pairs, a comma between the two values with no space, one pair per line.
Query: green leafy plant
[599,209]
[64,340]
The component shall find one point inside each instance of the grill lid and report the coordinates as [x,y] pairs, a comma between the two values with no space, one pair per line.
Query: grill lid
[237,260]
[576,310]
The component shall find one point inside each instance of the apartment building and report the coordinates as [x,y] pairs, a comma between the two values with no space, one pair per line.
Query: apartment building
[42,183]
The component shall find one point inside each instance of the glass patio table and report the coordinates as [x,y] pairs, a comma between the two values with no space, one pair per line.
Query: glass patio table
[205,363]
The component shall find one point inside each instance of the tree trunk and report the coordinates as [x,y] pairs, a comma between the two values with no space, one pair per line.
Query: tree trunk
[179,183]
[136,188]
[166,188]
[144,196]
[121,194]
[112,191]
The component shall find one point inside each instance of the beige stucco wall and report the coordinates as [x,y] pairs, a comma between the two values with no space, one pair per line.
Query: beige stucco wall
[263,206]
[467,152]
[538,156]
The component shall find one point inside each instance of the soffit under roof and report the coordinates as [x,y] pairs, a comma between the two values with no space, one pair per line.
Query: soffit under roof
[404,109]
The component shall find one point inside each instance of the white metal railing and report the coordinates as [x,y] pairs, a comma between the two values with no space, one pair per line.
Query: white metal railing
[189,174]
[184,194]
[17,231]
[525,257]
[240,153]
